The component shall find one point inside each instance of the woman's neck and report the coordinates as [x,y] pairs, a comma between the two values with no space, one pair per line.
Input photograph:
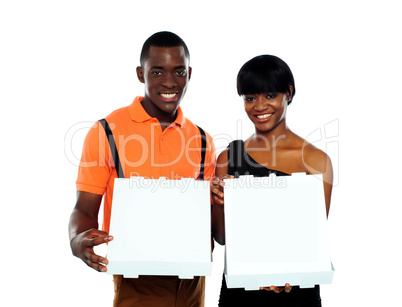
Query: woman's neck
[272,138]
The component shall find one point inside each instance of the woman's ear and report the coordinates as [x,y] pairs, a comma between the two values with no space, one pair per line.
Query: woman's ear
[289,94]
[140,74]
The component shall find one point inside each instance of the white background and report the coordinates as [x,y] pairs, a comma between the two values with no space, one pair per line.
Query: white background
[66,63]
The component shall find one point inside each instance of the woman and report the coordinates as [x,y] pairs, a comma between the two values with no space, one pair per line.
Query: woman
[267,86]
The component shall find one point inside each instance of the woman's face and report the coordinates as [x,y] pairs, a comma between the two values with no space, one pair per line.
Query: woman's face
[266,110]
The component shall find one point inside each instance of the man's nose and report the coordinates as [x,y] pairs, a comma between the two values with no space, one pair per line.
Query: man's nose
[169,81]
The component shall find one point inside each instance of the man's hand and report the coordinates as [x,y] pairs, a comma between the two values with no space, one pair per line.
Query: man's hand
[84,233]
[82,247]
[287,288]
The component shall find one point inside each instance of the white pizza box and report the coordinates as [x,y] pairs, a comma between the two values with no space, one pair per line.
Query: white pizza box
[160,227]
[276,232]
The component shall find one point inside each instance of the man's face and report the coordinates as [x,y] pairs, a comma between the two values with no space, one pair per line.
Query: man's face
[165,73]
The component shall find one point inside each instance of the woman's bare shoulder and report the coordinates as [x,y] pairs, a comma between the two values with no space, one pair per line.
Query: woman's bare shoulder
[314,159]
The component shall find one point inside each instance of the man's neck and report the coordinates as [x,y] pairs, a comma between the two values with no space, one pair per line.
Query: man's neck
[165,119]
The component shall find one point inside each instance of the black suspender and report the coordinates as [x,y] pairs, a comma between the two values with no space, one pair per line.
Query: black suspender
[116,158]
[203,150]
[113,148]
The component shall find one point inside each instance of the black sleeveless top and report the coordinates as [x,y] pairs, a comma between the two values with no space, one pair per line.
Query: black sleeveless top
[241,163]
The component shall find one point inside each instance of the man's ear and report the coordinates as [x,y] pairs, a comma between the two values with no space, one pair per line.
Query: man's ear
[189,72]
[140,74]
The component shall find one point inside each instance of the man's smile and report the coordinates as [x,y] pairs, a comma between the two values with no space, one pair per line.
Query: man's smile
[168,97]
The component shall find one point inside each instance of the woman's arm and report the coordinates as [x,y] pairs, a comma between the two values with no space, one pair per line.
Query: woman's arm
[218,221]
[318,162]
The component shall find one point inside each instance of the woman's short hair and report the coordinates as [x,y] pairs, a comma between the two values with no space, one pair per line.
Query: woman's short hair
[265,74]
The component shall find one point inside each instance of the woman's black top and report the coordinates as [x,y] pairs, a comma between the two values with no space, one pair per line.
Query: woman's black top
[241,163]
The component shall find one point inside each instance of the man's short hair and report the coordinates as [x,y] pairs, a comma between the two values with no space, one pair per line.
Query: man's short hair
[162,39]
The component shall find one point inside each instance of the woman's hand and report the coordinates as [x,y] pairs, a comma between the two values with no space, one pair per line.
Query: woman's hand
[287,288]
[217,188]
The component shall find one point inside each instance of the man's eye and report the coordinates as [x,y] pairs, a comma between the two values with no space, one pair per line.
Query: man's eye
[180,72]
[156,73]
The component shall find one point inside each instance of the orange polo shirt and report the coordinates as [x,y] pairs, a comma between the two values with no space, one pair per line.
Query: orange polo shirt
[144,150]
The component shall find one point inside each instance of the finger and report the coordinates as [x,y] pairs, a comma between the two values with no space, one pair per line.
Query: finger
[217,200]
[95,233]
[226,176]
[98,259]
[276,289]
[99,240]
[217,195]
[98,267]
[216,181]
[265,288]
[217,192]
[99,262]
[218,186]
[95,261]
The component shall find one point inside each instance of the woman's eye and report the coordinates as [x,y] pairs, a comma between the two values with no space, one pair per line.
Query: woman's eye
[271,96]
[248,99]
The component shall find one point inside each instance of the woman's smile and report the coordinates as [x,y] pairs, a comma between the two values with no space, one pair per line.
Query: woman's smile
[261,118]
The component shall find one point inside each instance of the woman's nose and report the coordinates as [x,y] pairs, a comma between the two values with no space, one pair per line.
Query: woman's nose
[261,104]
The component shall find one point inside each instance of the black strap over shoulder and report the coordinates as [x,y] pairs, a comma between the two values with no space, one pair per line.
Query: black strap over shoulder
[116,158]
[236,158]
[113,148]
[203,150]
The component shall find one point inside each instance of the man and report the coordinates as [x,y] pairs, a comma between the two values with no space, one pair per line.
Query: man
[153,139]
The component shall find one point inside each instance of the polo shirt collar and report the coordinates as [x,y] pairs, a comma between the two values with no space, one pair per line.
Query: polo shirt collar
[138,114]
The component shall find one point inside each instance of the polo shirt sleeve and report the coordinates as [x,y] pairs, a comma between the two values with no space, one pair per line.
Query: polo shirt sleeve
[95,167]
[210,159]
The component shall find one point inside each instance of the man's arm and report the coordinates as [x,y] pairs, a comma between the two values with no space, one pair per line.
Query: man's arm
[84,233]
